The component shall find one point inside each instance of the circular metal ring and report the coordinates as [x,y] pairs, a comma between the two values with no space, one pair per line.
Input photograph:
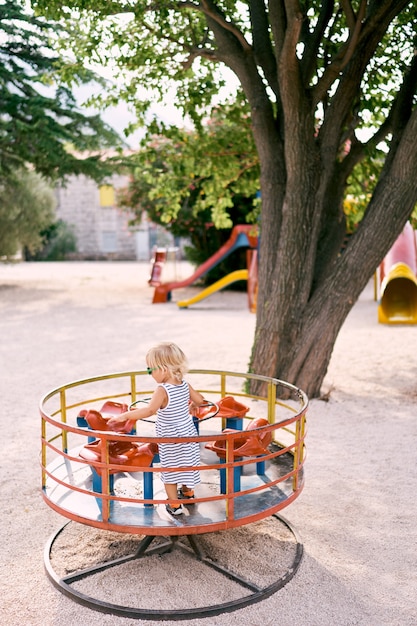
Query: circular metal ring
[256,594]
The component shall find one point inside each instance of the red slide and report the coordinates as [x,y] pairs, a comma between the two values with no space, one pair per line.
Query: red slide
[243,235]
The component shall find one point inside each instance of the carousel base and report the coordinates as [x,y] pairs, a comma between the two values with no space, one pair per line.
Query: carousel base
[149,568]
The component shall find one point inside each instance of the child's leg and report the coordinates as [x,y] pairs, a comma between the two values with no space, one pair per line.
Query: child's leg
[173,507]
[187,492]
[171,491]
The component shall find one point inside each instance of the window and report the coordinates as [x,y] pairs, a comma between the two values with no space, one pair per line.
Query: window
[108,241]
[107,195]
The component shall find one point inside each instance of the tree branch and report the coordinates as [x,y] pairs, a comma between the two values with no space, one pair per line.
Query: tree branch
[344,55]
[264,53]
[278,23]
[337,116]
[350,14]
[211,11]
[312,40]
[290,78]
[397,119]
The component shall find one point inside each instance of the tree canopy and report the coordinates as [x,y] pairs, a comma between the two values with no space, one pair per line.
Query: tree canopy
[211,165]
[43,131]
[198,184]
[328,86]
[41,124]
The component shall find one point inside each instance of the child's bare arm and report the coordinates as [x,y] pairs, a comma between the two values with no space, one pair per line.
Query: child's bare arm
[196,399]
[155,403]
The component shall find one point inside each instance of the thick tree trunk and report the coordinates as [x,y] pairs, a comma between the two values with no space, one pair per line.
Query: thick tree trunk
[297,325]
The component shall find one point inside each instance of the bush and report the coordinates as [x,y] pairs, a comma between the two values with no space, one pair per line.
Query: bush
[59,241]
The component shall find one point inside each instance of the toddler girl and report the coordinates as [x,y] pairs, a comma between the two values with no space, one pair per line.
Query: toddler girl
[171,402]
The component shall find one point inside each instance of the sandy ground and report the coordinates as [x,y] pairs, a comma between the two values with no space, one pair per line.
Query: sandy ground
[357,514]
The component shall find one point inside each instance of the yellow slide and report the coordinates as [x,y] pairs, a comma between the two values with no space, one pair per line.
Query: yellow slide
[398,303]
[217,286]
[398,281]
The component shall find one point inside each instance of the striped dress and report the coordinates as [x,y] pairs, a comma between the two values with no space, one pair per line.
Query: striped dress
[175,421]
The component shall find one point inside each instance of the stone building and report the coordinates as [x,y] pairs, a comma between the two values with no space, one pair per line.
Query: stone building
[101,229]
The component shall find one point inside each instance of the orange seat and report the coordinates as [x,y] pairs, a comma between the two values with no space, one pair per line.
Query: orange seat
[133,456]
[110,408]
[205,411]
[128,453]
[229,407]
[96,421]
[255,444]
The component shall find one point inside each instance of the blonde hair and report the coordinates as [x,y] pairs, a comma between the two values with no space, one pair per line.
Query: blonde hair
[168,355]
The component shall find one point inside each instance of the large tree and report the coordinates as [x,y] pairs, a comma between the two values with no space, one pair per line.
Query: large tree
[315,74]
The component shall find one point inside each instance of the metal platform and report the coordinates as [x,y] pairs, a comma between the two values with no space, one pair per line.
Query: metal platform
[259,496]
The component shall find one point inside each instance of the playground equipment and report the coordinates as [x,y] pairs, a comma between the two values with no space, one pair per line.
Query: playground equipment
[160,258]
[255,445]
[158,262]
[396,281]
[250,275]
[227,280]
[244,235]
[252,466]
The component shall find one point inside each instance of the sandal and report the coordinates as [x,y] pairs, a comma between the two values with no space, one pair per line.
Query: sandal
[185,494]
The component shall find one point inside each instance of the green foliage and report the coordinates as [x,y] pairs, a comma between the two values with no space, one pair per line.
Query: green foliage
[179,50]
[172,48]
[130,37]
[40,123]
[204,170]
[198,184]
[171,45]
[360,187]
[58,242]
[27,206]
[413,219]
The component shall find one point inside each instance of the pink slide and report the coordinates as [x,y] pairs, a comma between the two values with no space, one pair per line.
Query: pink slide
[397,279]
[244,235]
